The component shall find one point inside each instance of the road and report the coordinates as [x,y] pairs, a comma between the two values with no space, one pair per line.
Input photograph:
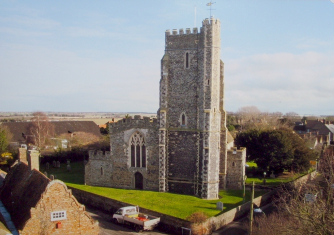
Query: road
[237,227]
[109,228]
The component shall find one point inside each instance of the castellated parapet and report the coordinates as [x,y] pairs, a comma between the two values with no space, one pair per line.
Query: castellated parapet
[136,122]
[99,155]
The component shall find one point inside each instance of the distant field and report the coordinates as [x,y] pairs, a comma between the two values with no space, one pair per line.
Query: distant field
[98,118]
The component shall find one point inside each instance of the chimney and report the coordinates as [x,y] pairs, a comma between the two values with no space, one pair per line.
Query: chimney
[23,155]
[33,159]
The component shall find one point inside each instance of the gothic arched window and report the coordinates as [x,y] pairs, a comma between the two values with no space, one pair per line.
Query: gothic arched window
[183,120]
[138,150]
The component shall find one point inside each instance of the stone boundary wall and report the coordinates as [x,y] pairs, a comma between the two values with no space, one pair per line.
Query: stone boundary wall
[169,224]
[172,225]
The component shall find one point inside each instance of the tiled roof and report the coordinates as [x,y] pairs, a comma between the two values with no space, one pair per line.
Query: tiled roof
[229,137]
[21,191]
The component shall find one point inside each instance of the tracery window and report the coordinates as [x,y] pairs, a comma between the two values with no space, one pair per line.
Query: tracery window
[138,150]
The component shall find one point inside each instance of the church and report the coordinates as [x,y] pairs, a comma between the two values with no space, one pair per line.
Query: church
[187,149]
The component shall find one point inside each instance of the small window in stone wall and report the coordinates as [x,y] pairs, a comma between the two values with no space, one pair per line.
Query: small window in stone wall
[137,150]
[187,60]
[183,120]
[233,164]
[101,170]
[58,215]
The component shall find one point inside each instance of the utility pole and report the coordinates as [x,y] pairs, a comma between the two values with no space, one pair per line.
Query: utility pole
[244,195]
[251,212]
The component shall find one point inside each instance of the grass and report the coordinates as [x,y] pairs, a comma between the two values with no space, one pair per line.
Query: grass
[177,205]
[251,164]
[284,178]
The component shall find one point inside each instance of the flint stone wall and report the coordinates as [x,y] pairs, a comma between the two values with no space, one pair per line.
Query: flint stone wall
[236,160]
[117,168]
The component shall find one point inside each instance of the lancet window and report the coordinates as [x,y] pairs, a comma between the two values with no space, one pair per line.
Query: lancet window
[187,60]
[138,150]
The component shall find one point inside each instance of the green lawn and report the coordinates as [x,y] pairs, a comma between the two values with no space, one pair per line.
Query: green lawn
[177,205]
[251,164]
[286,177]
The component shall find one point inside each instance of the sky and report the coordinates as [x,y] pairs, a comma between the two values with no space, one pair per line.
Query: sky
[104,56]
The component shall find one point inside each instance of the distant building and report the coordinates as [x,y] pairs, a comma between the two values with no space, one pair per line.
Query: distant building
[38,205]
[321,129]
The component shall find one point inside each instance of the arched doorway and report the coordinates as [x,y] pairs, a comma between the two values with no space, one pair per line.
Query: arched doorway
[138,180]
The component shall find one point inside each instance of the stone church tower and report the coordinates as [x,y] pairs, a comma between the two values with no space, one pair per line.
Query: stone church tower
[192,132]
[187,150]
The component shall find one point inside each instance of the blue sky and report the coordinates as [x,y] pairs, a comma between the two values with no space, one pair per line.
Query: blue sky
[104,56]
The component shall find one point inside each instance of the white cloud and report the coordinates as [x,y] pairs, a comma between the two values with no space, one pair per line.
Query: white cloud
[281,82]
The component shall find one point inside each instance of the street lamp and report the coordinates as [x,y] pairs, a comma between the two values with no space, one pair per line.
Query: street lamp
[264,178]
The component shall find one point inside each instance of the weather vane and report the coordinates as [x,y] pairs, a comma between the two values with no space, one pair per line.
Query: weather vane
[210,5]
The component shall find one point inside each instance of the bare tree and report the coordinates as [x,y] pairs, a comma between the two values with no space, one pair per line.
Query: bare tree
[40,129]
[299,215]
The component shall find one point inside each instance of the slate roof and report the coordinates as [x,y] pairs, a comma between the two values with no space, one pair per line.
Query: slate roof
[61,127]
[330,127]
[229,137]
[315,125]
[21,191]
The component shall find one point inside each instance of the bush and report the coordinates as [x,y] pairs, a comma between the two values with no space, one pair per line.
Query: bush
[197,217]
[199,227]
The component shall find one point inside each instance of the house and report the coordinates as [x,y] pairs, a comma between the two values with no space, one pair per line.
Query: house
[38,205]
[321,129]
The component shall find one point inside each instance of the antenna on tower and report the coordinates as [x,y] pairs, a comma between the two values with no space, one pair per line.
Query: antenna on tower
[210,5]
